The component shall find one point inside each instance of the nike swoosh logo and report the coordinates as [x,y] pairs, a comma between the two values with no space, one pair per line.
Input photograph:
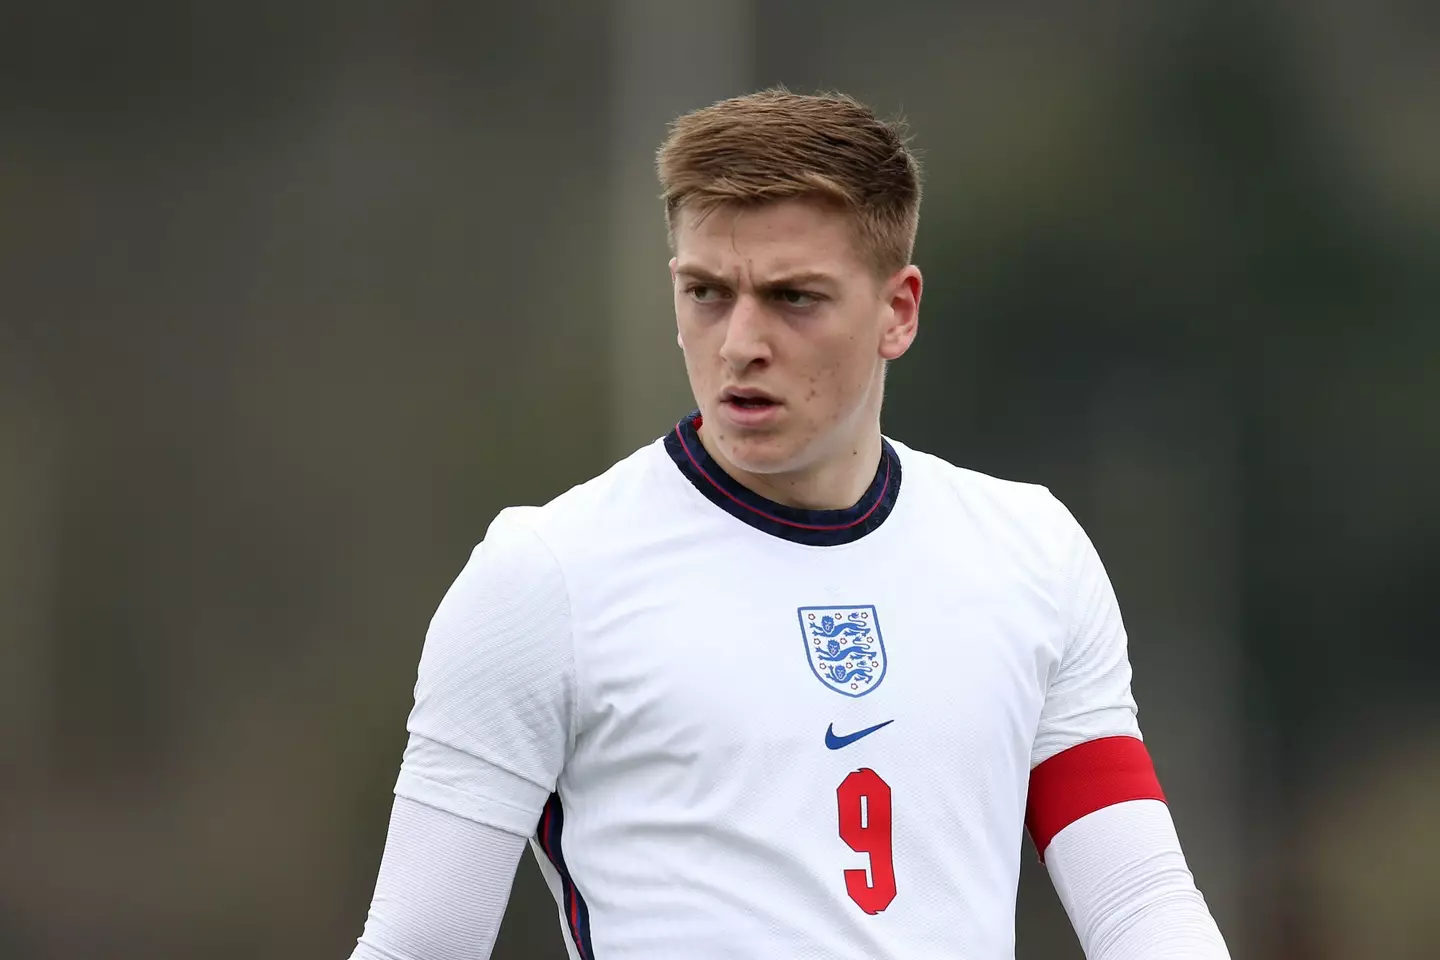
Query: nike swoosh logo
[835,743]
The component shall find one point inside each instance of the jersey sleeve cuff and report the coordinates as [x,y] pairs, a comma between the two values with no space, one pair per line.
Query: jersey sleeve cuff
[447,779]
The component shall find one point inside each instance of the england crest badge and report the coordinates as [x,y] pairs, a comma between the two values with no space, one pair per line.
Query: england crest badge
[845,648]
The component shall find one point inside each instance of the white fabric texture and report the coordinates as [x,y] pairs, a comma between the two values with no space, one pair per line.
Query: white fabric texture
[489,732]
[491,724]
[649,659]
[1123,880]
[1089,694]
[443,886]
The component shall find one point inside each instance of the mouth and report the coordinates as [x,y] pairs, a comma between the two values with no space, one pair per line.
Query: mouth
[748,399]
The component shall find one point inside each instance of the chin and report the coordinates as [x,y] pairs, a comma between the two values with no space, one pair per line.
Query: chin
[758,454]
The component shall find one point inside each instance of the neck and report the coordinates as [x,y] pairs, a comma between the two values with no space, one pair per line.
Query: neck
[836,481]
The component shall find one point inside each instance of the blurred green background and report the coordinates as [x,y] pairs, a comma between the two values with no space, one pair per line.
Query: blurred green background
[295,296]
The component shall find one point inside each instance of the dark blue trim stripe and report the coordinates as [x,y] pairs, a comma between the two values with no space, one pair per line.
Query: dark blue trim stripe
[577,914]
[817,528]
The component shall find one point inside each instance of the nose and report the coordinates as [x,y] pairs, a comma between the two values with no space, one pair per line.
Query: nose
[746,337]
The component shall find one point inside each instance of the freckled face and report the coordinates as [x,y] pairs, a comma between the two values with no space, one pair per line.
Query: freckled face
[786,330]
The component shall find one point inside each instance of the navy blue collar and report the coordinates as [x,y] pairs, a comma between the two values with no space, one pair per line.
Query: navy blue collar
[817,528]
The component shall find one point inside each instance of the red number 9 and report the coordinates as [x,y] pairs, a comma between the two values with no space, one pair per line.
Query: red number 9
[865,825]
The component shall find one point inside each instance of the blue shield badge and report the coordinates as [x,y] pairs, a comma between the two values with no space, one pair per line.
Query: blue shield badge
[845,648]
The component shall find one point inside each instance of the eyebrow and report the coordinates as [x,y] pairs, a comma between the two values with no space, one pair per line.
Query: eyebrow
[787,282]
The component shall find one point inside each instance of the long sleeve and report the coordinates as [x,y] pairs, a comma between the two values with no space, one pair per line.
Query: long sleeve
[1096,811]
[443,886]
[1123,880]
[489,734]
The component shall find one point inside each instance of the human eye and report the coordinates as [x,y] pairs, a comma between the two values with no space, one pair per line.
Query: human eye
[704,292]
[796,298]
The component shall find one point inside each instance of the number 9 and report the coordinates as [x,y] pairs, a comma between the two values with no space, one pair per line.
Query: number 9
[864,801]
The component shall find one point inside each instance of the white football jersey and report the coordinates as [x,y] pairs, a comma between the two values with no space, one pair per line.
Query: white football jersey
[736,729]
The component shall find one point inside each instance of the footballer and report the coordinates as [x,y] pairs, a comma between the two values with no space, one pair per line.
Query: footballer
[777,685]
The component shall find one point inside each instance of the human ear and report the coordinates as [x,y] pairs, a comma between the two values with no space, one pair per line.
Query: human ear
[902,312]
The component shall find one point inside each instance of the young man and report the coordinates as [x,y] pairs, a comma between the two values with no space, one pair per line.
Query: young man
[776,686]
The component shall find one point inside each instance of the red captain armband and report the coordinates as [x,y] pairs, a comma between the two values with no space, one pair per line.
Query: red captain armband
[1091,776]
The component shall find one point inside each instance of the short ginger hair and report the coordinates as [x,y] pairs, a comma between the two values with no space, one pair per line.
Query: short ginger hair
[776,145]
